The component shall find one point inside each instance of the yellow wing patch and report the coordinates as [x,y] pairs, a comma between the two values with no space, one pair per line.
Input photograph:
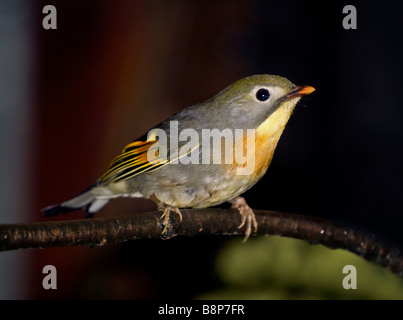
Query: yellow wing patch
[133,161]
[139,157]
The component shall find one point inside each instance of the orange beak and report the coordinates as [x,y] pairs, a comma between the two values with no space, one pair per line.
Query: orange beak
[300,91]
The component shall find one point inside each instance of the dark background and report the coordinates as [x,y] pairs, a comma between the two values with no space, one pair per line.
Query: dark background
[112,70]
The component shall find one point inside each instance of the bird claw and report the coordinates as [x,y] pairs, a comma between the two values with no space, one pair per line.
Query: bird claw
[247,215]
[166,210]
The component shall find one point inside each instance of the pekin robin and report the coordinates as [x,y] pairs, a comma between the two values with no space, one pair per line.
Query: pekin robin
[207,154]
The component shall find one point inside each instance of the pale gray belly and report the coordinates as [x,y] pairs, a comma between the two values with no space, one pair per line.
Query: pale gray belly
[193,185]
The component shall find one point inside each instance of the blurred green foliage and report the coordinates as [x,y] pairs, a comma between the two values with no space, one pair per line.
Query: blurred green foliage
[284,268]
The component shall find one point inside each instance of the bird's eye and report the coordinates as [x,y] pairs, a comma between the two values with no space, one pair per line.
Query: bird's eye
[262,94]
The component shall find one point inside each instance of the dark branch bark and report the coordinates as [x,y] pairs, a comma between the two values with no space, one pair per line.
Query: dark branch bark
[211,221]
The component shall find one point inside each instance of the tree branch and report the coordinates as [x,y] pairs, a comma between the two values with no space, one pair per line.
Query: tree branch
[211,221]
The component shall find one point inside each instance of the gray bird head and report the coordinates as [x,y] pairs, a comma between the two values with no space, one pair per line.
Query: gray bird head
[250,101]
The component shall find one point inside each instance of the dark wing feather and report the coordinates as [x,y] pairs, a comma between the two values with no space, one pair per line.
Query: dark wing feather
[133,161]
[136,159]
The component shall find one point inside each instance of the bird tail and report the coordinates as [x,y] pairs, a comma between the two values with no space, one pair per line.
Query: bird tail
[85,200]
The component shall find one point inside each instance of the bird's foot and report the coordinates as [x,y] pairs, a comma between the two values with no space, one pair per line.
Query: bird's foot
[166,210]
[247,214]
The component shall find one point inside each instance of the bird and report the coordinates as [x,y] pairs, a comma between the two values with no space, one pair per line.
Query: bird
[205,155]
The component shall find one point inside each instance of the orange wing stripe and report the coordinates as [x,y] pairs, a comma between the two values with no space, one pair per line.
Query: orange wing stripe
[133,161]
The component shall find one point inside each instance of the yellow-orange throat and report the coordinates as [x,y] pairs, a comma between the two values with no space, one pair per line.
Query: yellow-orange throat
[267,136]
